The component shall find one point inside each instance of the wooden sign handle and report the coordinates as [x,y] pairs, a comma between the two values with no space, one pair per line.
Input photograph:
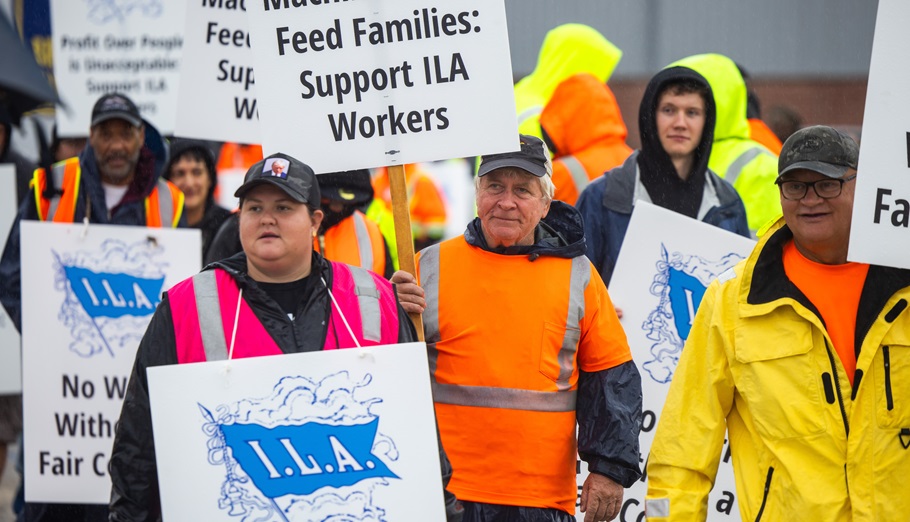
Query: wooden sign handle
[401,212]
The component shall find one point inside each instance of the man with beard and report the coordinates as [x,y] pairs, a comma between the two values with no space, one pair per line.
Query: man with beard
[346,234]
[115,181]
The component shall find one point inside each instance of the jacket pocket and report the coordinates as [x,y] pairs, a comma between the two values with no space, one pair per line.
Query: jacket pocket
[893,386]
[558,346]
[779,380]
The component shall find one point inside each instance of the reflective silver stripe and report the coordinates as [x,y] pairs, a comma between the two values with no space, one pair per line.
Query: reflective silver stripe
[429,280]
[533,111]
[58,171]
[208,309]
[505,398]
[657,507]
[577,171]
[581,276]
[736,168]
[165,204]
[364,246]
[368,300]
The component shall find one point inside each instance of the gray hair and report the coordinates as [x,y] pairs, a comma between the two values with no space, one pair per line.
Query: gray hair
[547,187]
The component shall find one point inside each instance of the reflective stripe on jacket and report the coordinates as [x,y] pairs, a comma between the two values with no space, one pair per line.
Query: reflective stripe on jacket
[507,337]
[355,241]
[203,310]
[759,365]
[164,205]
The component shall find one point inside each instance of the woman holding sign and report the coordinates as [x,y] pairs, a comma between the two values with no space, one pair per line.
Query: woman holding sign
[277,296]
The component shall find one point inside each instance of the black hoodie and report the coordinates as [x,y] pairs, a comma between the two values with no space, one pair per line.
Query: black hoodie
[658,175]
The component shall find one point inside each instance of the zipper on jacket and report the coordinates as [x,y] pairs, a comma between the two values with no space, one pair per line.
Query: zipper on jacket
[764,498]
[840,397]
[889,398]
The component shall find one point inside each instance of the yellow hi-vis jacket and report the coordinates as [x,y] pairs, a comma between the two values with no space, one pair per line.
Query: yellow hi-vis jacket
[759,364]
[745,163]
[567,50]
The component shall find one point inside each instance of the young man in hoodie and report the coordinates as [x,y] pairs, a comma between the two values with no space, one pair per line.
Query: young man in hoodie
[676,121]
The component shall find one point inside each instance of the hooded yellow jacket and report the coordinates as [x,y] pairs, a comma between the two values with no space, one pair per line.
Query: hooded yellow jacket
[759,364]
[745,163]
[567,50]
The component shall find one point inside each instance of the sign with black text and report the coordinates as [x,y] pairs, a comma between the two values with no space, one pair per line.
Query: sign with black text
[88,294]
[356,84]
[664,267]
[881,207]
[217,98]
[128,47]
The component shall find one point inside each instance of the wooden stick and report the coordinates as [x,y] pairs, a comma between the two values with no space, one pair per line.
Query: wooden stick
[398,187]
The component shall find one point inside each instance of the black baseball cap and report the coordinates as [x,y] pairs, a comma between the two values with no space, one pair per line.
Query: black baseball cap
[351,187]
[533,157]
[289,174]
[820,149]
[116,106]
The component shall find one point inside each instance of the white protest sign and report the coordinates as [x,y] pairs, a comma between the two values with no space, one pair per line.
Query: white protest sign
[217,98]
[347,85]
[10,362]
[664,267]
[87,298]
[881,207]
[332,435]
[117,46]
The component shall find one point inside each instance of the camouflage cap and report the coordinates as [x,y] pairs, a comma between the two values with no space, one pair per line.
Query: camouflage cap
[820,149]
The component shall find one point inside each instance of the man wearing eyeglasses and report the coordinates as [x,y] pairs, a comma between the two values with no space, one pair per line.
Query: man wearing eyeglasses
[803,358]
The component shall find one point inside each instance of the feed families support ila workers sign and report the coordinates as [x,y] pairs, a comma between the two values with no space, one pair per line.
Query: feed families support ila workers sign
[664,267]
[881,208]
[329,435]
[348,84]
[117,46]
[10,363]
[217,98]
[87,297]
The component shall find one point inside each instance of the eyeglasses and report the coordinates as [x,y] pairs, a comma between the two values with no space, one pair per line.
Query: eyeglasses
[825,188]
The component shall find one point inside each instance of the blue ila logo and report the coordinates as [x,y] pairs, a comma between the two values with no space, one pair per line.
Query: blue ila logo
[309,451]
[680,283]
[109,294]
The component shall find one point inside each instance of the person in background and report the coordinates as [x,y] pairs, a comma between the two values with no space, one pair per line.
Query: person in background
[192,168]
[425,202]
[116,180]
[676,122]
[298,302]
[24,167]
[743,162]
[801,359]
[784,121]
[567,50]
[584,130]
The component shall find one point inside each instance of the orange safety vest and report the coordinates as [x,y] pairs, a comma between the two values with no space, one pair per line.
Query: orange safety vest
[760,132]
[506,338]
[355,241]
[427,208]
[163,205]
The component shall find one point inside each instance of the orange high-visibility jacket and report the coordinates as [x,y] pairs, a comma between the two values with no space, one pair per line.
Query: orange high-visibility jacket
[428,210]
[163,205]
[355,241]
[584,125]
[507,336]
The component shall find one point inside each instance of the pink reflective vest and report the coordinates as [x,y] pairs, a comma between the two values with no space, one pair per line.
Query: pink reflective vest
[203,310]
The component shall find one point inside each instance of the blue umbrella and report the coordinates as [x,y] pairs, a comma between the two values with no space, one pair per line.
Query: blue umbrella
[23,85]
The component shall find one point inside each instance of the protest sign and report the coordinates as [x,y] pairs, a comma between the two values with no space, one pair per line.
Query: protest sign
[881,208]
[329,435]
[10,362]
[88,293]
[128,47]
[217,99]
[347,85]
[665,265]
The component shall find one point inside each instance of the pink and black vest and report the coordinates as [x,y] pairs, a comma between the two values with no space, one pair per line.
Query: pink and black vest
[203,310]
